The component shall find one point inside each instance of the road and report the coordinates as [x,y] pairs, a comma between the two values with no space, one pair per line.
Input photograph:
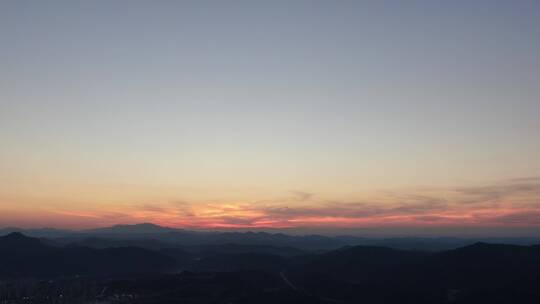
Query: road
[305,292]
[286,280]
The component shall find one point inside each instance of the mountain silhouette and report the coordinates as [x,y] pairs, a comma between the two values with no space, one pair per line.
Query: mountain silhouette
[22,256]
[477,273]
[481,268]
[151,236]
[143,228]
[16,243]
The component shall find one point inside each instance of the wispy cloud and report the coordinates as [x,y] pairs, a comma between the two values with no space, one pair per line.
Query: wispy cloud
[508,203]
[302,196]
[490,193]
[526,179]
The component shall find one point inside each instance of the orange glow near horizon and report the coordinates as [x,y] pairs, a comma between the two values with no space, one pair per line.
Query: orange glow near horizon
[467,207]
[274,115]
[83,220]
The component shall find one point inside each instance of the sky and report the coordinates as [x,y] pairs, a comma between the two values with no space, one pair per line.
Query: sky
[313,114]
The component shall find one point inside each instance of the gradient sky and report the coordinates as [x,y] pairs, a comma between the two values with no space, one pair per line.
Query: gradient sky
[270,114]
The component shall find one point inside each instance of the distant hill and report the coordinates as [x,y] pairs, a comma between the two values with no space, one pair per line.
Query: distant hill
[144,228]
[361,262]
[466,272]
[22,256]
[489,265]
[40,232]
[207,250]
[153,236]
[16,244]
[476,273]
[241,262]
[104,242]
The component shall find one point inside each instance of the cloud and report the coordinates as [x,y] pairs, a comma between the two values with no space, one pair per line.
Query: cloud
[302,196]
[498,192]
[431,218]
[508,203]
[238,221]
[152,208]
[513,202]
[529,217]
[421,204]
[526,179]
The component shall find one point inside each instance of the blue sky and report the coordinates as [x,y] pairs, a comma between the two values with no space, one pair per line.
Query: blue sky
[111,104]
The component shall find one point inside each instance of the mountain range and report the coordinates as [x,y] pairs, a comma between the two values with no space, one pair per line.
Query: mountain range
[22,256]
[151,236]
[475,273]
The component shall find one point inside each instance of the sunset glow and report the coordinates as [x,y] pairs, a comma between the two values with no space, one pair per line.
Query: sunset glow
[357,116]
